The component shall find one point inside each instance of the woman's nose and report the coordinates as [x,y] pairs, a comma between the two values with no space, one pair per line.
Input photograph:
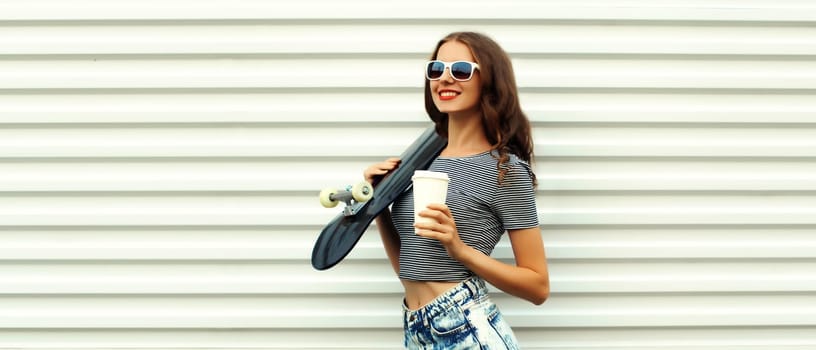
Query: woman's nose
[446,76]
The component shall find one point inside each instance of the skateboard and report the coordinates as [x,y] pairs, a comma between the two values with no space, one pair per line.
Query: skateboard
[363,201]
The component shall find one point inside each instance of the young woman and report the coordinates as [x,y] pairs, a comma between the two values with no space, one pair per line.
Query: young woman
[471,96]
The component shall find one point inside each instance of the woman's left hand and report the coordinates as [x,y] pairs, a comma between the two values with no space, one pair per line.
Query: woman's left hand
[443,230]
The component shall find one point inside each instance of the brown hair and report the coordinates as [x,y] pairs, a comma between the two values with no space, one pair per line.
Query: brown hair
[505,124]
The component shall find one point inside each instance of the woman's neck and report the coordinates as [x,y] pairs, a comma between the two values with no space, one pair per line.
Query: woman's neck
[466,137]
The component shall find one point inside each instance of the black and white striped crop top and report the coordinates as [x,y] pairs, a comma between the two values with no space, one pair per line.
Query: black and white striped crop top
[483,211]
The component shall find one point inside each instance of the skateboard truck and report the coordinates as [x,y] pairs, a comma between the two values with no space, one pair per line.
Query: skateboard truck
[359,193]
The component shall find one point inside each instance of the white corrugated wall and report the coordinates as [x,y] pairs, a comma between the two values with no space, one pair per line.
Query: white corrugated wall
[160,162]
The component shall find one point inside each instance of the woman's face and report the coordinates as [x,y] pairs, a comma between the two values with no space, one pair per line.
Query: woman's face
[453,96]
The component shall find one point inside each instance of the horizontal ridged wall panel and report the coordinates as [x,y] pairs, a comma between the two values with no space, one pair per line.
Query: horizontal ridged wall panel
[309,72]
[281,107]
[699,10]
[357,38]
[160,162]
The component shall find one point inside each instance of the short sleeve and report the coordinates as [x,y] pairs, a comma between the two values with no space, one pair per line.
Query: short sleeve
[514,202]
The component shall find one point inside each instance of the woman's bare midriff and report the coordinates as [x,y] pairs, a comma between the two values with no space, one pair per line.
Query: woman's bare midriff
[420,293]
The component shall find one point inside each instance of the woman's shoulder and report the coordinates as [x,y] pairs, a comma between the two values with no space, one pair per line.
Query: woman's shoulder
[513,160]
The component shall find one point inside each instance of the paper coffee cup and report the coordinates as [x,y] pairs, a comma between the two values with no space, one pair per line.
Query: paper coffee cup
[429,187]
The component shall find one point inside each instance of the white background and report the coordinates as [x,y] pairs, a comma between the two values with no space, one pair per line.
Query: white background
[160,162]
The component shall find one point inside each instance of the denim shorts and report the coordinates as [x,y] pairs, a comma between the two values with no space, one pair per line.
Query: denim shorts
[464,317]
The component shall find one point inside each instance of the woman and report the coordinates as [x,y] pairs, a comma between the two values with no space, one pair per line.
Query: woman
[471,96]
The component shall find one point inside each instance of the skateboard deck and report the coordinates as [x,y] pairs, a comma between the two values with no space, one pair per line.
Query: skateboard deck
[342,233]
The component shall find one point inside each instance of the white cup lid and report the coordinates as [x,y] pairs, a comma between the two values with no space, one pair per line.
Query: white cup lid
[430,174]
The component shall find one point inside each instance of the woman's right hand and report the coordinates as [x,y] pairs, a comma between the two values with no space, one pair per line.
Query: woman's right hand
[380,169]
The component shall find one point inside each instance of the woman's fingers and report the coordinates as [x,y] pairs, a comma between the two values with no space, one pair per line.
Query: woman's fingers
[443,220]
[381,168]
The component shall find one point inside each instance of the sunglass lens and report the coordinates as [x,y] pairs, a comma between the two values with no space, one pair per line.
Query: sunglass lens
[461,70]
[435,69]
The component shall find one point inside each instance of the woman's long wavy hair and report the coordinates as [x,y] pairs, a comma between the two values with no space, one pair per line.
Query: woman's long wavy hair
[505,124]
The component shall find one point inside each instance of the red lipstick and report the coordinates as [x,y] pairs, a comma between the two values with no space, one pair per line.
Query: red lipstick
[447,95]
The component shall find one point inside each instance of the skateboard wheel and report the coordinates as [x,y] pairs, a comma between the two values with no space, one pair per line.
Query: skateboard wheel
[326,197]
[362,191]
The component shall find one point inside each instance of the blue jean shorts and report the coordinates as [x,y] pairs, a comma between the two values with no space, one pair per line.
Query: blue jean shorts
[464,317]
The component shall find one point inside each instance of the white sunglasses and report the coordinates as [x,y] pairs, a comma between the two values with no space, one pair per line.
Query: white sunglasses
[459,70]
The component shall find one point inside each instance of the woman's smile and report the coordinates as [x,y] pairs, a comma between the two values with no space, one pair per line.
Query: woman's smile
[447,95]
